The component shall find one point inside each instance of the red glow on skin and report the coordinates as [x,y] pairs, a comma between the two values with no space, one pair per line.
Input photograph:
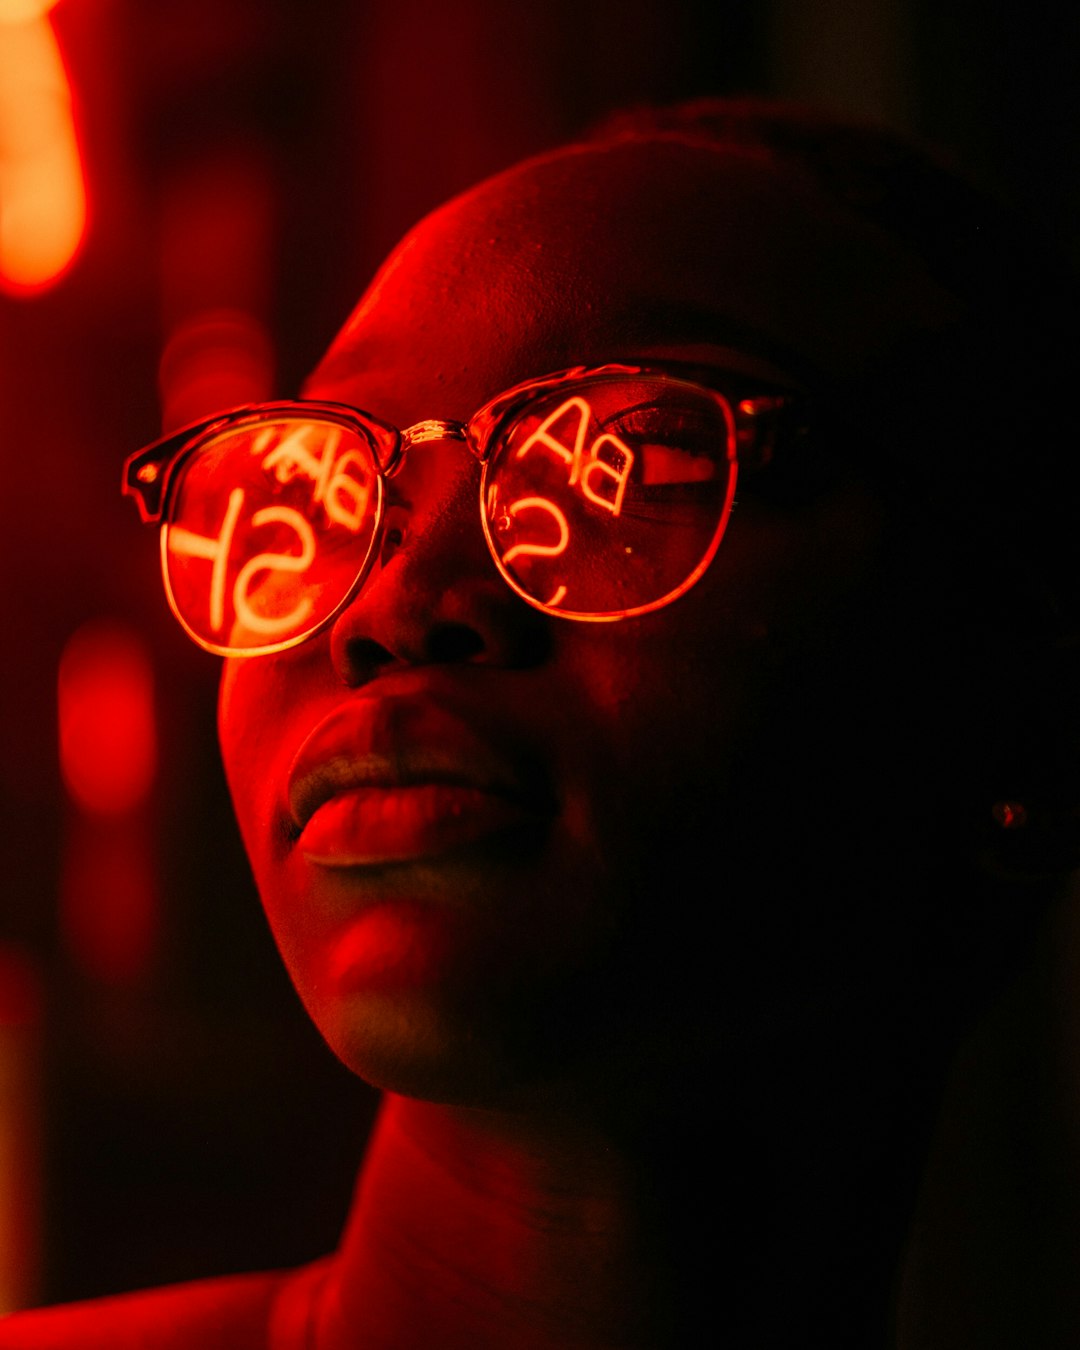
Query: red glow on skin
[380,948]
[107,728]
[43,207]
[377,825]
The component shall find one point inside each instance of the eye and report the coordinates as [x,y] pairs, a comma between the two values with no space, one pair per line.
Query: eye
[672,444]
[674,464]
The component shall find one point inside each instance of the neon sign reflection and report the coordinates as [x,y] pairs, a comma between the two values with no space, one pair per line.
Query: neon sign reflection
[583,468]
[600,473]
[287,455]
[344,498]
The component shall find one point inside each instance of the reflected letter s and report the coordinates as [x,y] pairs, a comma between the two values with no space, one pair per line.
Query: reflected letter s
[538,550]
[246,615]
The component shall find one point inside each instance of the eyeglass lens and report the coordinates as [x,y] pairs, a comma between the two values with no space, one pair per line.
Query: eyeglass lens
[600,498]
[605,499]
[269,526]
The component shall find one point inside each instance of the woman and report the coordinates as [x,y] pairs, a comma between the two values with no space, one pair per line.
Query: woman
[633,835]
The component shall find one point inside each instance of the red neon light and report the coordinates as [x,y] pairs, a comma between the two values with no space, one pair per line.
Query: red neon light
[343,497]
[42,189]
[108,733]
[542,435]
[306,458]
[217,550]
[620,473]
[250,618]
[582,468]
[538,550]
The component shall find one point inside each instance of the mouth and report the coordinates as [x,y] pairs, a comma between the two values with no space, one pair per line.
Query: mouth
[385,780]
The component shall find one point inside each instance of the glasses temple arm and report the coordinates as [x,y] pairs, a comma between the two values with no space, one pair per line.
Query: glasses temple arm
[761,422]
[148,472]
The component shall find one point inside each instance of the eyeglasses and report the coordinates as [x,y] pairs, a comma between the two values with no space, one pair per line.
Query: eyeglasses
[604,494]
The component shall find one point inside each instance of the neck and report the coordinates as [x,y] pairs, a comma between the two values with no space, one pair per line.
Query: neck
[484,1229]
[477,1228]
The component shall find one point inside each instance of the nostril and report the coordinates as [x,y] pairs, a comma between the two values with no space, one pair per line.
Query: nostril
[453,642]
[359,659]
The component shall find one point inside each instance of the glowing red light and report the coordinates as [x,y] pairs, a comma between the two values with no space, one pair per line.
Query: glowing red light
[109,905]
[108,734]
[24,11]
[550,550]
[543,434]
[343,497]
[215,359]
[42,189]
[187,543]
[584,468]
[1010,815]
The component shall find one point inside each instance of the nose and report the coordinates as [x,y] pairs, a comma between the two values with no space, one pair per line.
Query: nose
[434,596]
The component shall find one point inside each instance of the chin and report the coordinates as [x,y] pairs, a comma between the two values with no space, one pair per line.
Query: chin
[469,1034]
[410,1047]
[476,998]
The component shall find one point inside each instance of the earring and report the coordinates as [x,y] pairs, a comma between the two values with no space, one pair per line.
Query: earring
[1010,815]
[1044,840]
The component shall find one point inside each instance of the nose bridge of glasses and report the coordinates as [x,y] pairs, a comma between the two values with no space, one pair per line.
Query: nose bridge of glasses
[434,429]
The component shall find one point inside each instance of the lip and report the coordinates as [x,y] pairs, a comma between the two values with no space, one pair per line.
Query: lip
[395,778]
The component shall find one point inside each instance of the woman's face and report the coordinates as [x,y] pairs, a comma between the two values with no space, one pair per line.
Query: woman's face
[548,866]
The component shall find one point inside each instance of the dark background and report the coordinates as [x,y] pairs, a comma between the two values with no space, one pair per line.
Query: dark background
[259,159]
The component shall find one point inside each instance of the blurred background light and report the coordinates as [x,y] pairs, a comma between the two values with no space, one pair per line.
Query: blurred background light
[213,360]
[108,736]
[24,11]
[216,260]
[43,205]
[109,910]
[20,1125]
[247,165]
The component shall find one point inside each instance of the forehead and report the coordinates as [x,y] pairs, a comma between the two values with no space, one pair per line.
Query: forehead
[597,253]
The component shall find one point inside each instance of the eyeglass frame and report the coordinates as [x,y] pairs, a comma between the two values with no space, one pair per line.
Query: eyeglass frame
[149,475]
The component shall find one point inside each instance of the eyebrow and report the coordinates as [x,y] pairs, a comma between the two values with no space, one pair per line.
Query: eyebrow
[647,323]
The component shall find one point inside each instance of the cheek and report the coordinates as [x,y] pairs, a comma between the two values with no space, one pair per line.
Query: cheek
[659,686]
[683,705]
[257,701]
[650,728]
[261,704]
[240,701]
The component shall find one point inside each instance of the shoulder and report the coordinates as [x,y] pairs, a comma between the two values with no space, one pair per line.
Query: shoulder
[267,1311]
